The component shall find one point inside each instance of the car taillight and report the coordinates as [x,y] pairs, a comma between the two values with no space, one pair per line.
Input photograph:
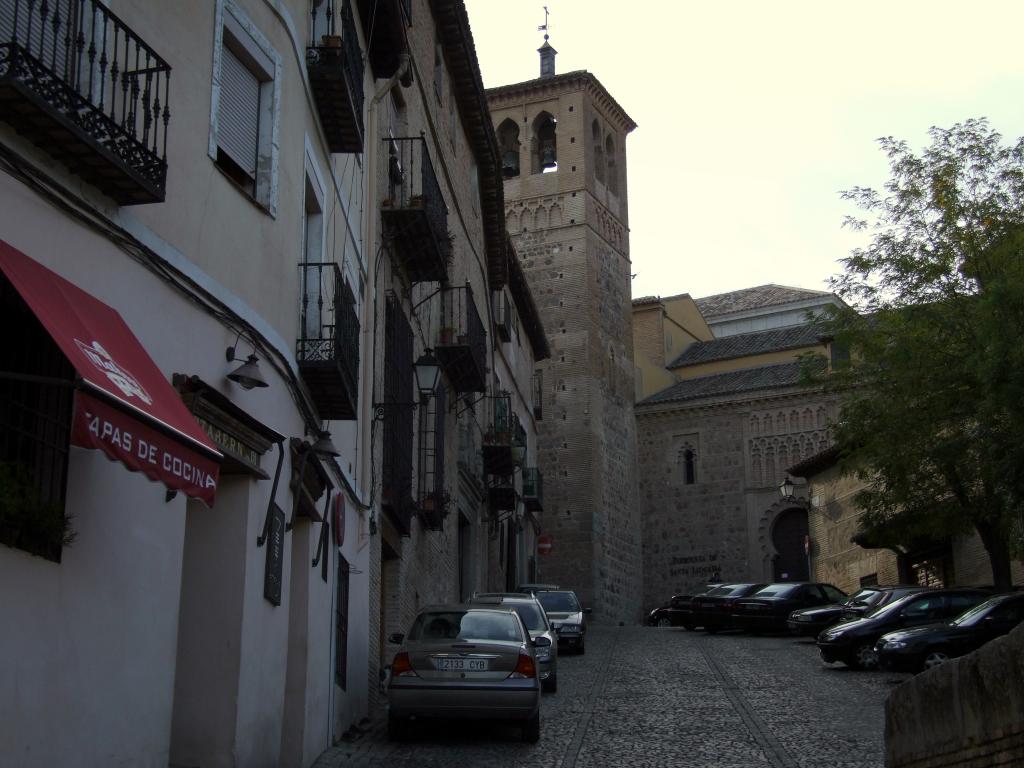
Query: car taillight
[401,666]
[524,667]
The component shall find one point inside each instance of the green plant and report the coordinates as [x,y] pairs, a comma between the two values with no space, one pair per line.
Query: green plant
[27,521]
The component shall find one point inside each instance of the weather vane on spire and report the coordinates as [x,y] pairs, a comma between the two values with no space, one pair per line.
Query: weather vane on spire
[544,27]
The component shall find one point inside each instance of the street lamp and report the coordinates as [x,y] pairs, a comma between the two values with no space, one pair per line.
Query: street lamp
[786,488]
[427,371]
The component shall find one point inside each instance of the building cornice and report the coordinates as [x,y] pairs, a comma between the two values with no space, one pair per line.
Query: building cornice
[552,87]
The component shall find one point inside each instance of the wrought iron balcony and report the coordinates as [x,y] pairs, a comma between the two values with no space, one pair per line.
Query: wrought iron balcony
[384,23]
[501,494]
[397,449]
[328,347]
[335,66]
[462,343]
[502,306]
[75,80]
[414,213]
[533,489]
[504,444]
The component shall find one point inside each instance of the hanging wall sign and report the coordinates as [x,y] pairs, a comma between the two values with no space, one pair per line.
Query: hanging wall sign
[275,556]
[339,519]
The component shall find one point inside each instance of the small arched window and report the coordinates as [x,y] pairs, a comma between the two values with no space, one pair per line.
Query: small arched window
[595,137]
[613,171]
[545,145]
[508,145]
[689,466]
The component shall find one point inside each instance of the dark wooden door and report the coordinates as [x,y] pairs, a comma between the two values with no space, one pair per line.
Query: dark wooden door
[788,536]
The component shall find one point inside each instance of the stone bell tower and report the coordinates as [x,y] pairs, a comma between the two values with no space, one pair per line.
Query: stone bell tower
[563,145]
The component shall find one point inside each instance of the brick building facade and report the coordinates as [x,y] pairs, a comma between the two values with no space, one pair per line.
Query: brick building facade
[562,141]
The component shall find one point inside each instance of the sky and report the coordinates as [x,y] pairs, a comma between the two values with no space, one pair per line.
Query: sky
[753,116]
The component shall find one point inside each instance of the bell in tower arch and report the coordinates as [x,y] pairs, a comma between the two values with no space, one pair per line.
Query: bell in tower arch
[510,163]
[547,155]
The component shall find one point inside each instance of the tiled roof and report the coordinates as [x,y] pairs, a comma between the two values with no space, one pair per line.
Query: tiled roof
[729,383]
[754,298]
[743,344]
[646,300]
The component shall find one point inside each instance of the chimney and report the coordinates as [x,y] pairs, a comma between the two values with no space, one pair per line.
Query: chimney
[547,59]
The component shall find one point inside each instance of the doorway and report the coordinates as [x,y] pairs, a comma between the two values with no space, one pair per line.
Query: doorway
[788,536]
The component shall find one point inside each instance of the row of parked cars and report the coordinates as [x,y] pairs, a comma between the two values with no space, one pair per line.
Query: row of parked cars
[900,627]
[487,658]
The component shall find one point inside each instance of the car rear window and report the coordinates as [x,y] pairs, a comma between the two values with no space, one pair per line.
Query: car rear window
[777,590]
[733,589]
[531,614]
[465,625]
[559,602]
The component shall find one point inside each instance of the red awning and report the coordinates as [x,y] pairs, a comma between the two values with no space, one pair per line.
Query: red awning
[124,406]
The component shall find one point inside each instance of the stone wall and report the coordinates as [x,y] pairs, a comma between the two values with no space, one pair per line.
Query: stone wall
[721,523]
[967,713]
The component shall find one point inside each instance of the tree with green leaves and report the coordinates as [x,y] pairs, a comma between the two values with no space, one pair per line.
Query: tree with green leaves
[932,407]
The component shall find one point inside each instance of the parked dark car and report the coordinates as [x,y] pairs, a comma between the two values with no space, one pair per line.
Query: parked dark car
[811,621]
[679,610]
[920,648]
[567,617]
[853,642]
[768,609]
[672,613]
[713,610]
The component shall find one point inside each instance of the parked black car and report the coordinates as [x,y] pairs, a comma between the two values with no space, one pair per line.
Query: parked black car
[678,610]
[853,642]
[713,610]
[768,609]
[673,613]
[913,650]
[811,621]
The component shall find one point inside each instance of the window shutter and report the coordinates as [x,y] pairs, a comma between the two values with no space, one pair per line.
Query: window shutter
[238,118]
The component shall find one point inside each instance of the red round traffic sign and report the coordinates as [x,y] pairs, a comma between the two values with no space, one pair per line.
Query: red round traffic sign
[544,544]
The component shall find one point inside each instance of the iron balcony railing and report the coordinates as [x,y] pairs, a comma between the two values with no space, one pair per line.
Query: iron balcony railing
[77,81]
[397,470]
[502,308]
[328,346]
[461,345]
[504,439]
[414,212]
[384,29]
[335,66]
[533,489]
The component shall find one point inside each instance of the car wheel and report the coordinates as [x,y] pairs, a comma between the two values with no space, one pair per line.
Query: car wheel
[398,729]
[551,684]
[934,659]
[531,729]
[710,630]
[663,621]
[581,648]
[865,657]
[688,626]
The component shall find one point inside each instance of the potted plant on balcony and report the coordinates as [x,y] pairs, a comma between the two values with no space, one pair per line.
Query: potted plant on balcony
[447,335]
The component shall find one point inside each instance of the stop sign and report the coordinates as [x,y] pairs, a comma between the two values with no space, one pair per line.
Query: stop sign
[544,543]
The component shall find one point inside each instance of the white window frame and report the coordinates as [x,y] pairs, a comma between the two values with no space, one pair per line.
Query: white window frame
[253,48]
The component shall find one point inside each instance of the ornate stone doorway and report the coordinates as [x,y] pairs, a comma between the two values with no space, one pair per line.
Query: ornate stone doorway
[788,535]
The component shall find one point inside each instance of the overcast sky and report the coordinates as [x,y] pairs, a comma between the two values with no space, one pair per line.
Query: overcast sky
[753,116]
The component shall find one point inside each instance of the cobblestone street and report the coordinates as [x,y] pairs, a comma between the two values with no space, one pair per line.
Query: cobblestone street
[666,697]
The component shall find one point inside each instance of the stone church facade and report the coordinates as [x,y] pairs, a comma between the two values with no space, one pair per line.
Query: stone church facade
[562,142]
[716,442]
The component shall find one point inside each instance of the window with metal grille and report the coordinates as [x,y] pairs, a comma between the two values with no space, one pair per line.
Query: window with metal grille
[396,494]
[341,625]
[36,398]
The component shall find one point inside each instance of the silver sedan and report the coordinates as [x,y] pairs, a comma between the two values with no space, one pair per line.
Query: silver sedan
[465,662]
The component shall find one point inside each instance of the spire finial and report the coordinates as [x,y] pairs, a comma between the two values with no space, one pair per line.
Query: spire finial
[547,53]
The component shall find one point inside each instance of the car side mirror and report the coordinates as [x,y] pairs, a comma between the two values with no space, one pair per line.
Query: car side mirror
[588,610]
[396,638]
[542,642]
